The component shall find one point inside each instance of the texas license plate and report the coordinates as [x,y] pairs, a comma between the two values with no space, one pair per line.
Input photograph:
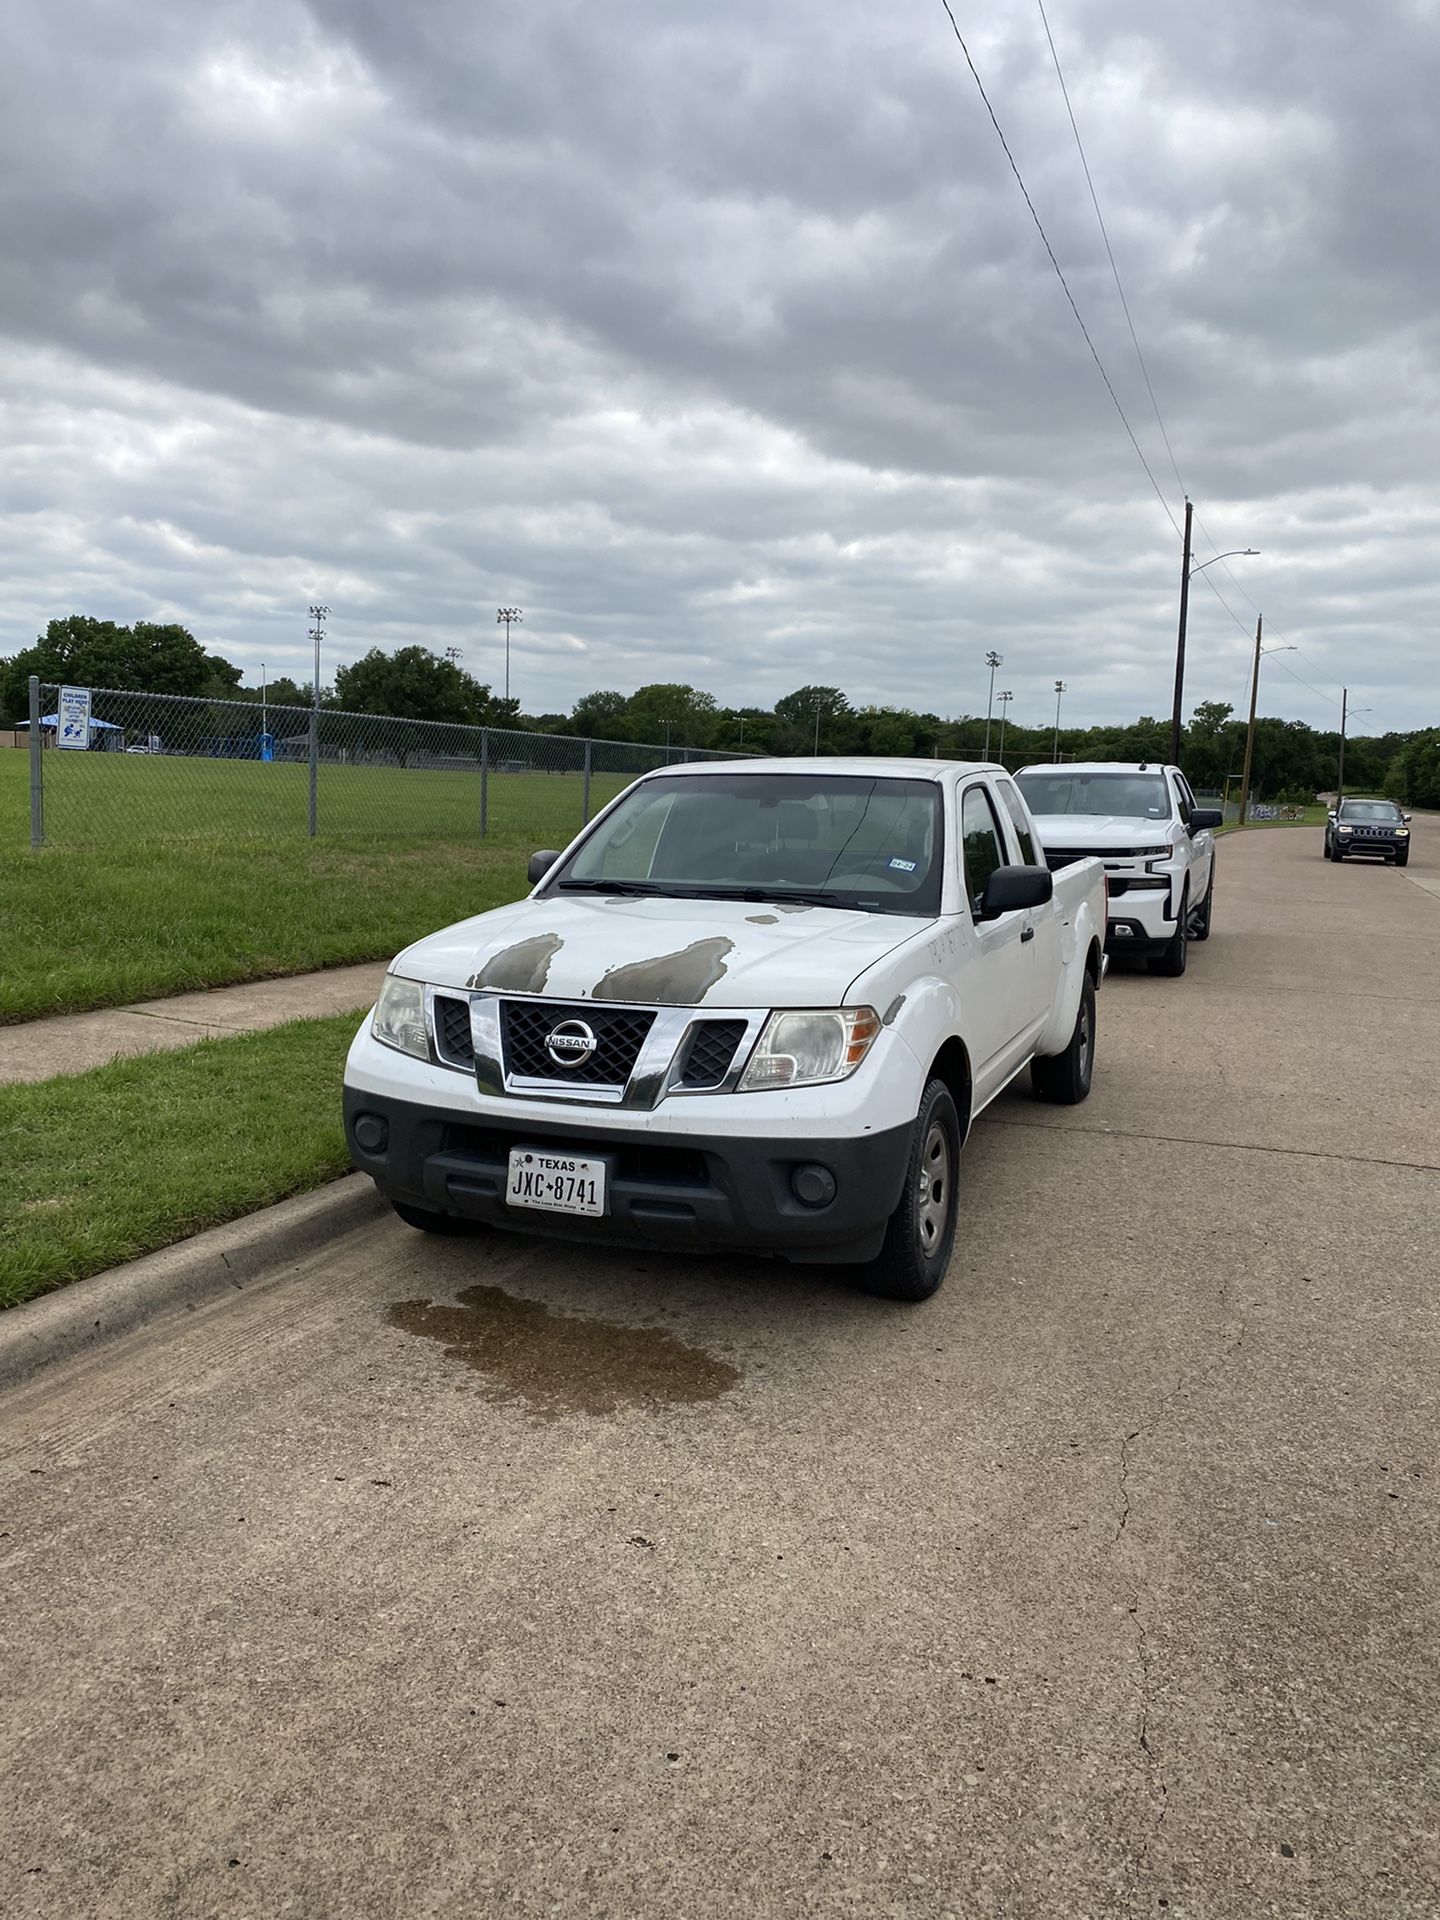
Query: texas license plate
[555,1182]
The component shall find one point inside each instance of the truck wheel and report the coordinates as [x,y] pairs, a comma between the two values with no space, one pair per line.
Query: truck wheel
[1325,850]
[1173,956]
[1065,1077]
[1335,853]
[921,1231]
[1200,925]
[1403,859]
[427,1222]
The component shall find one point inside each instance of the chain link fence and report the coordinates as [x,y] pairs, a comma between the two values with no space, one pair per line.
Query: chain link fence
[162,767]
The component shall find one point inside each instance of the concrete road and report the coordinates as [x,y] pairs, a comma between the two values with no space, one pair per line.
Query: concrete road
[1105,1583]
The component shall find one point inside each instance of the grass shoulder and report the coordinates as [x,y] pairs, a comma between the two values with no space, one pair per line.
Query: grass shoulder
[104,1166]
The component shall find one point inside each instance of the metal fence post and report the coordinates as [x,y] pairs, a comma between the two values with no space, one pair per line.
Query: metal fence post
[314,767]
[585,801]
[484,782]
[37,768]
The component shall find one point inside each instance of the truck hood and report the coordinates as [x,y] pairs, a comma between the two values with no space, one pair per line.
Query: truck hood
[1110,831]
[661,952]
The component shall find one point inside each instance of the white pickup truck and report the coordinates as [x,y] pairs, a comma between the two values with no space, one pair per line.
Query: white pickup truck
[754,1005]
[1157,845]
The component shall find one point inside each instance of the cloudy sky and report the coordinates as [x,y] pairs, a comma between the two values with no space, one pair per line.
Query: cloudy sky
[721,341]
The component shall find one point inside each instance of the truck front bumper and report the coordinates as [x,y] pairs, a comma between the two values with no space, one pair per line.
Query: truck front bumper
[1140,920]
[666,1188]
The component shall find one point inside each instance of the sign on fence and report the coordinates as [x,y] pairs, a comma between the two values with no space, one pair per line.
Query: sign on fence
[73,717]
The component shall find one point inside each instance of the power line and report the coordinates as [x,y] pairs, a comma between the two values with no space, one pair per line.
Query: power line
[1059,274]
[1110,253]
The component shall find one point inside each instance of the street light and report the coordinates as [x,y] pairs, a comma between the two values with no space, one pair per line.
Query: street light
[1345,711]
[503,618]
[1186,570]
[992,660]
[1005,699]
[1060,689]
[1250,730]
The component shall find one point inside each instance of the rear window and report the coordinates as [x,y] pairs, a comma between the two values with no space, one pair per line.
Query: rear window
[1134,796]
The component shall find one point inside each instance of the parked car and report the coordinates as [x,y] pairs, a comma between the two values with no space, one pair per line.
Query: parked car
[1156,842]
[1374,827]
[755,1006]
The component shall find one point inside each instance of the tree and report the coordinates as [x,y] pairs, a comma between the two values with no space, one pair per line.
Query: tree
[1420,767]
[669,711]
[414,684]
[600,716]
[150,657]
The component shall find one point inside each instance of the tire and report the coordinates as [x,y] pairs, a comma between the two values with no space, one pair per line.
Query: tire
[1403,859]
[1064,1078]
[1325,849]
[424,1221]
[1174,956]
[920,1234]
[1336,855]
[1200,925]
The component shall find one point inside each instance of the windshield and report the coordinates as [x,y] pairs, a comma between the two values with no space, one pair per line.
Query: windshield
[1378,812]
[1136,796]
[817,839]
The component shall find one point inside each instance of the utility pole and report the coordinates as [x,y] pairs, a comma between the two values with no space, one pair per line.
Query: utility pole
[819,708]
[992,660]
[1250,730]
[1059,692]
[1005,699]
[1340,777]
[1180,641]
[503,618]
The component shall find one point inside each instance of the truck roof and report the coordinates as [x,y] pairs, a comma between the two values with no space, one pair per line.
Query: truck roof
[1101,766]
[861,765]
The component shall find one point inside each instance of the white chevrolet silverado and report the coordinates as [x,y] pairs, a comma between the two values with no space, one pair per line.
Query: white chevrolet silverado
[754,1005]
[1156,843]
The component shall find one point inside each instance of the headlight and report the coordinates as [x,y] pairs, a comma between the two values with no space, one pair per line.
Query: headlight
[400,1016]
[1344,829]
[1402,833]
[1151,853]
[802,1049]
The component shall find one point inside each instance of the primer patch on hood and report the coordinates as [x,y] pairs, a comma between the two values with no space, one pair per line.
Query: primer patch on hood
[673,979]
[523,968]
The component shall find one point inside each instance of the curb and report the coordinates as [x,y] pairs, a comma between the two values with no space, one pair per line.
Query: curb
[91,1313]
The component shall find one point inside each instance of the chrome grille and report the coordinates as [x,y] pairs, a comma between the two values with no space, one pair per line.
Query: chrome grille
[619,1035]
[452,1031]
[710,1051]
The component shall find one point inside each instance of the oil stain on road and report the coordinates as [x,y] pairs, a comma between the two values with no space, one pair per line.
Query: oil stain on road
[563,1363]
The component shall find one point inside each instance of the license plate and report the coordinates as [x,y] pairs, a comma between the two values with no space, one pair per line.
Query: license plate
[555,1182]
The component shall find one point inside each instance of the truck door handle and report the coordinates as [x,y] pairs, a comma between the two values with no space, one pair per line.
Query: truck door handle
[1028,934]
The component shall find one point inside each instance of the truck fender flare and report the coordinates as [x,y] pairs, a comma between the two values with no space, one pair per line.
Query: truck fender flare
[927,1018]
[1084,960]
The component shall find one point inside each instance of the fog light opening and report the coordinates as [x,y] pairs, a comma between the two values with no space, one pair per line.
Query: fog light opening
[372,1132]
[813,1185]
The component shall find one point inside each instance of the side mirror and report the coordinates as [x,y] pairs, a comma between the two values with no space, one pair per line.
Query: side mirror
[1331,814]
[1012,889]
[1206,819]
[1407,819]
[540,865]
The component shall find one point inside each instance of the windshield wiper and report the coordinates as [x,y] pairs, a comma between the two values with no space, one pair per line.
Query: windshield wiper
[643,887]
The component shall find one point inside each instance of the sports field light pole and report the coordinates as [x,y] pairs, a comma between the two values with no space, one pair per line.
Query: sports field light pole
[504,618]
[819,707]
[318,616]
[1005,699]
[992,660]
[1060,688]
[1260,652]
[1186,572]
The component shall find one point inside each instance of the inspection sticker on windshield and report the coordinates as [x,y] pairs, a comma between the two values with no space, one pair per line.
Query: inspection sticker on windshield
[903,866]
[555,1182]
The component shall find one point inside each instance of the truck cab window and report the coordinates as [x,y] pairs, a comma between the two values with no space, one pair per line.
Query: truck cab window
[981,847]
[1024,839]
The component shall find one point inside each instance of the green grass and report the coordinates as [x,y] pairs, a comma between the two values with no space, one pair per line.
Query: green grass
[101,1167]
[1309,817]
[116,908]
[133,800]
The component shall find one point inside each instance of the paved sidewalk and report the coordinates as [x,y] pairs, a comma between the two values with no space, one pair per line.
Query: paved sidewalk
[41,1049]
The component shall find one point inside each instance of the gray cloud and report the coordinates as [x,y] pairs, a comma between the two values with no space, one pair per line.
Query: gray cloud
[724,343]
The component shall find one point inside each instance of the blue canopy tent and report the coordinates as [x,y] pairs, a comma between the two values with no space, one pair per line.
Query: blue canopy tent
[52,720]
